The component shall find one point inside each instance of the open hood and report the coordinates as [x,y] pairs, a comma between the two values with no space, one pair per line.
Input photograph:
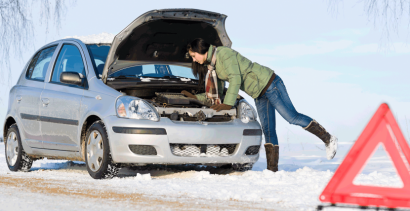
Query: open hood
[161,36]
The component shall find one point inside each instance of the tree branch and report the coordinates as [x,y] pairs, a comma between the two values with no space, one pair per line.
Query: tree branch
[17,28]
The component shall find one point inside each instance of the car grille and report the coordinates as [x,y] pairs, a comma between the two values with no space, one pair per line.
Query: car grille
[203,150]
[143,149]
[252,150]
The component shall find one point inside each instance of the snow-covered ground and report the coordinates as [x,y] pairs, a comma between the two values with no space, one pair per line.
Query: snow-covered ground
[304,172]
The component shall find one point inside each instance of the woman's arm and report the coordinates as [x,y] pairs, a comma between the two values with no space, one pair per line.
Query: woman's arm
[230,64]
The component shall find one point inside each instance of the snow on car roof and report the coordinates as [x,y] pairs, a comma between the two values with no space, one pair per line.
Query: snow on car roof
[95,38]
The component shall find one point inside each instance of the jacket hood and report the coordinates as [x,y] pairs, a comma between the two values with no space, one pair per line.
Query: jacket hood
[161,36]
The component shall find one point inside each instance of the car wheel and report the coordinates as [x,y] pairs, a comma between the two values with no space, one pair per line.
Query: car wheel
[17,159]
[242,167]
[98,156]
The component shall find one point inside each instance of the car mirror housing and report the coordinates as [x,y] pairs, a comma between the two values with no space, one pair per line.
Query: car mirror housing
[72,78]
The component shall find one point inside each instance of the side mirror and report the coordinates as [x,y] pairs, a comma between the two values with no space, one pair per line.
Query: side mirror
[72,78]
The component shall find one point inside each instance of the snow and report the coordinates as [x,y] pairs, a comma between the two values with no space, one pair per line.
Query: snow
[143,177]
[24,200]
[102,38]
[295,187]
[331,148]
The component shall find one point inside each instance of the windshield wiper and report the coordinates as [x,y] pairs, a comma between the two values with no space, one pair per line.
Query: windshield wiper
[124,76]
[166,76]
[142,76]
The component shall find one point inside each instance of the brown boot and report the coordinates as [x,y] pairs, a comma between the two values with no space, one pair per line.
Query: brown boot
[272,156]
[329,140]
[319,131]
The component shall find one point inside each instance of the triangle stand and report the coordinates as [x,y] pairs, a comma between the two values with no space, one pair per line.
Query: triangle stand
[382,129]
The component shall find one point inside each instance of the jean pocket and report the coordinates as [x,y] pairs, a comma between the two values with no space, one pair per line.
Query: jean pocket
[272,93]
[271,88]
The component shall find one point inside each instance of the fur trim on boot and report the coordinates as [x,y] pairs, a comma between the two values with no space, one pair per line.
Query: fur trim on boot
[272,156]
[329,140]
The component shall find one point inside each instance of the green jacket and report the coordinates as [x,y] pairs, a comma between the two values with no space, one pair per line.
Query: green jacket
[240,72]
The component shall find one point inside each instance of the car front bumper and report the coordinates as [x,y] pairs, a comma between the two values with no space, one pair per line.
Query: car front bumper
[192,133]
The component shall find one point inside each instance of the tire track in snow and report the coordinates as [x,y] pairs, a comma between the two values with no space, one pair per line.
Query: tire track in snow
[53,187]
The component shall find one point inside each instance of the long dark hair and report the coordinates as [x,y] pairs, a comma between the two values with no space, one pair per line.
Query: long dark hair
[200,46]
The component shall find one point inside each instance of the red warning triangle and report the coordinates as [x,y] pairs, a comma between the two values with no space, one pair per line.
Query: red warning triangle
[384,129]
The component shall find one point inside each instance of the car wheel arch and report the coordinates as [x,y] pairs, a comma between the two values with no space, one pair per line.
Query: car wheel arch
[9,122]
[23,161]
[86,124]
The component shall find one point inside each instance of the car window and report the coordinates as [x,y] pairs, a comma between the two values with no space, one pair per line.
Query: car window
[157,71]
[39,64]
[98,54]
[69,60]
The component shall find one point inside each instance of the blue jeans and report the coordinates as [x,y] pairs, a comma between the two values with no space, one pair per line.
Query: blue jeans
[276,97]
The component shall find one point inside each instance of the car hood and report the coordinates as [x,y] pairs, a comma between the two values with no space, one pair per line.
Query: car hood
[160,36]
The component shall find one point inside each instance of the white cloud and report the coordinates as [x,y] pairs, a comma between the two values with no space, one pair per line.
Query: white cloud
[319,48]
[295,50]
[367,48]
[349,32]
[401,48]
[394,48]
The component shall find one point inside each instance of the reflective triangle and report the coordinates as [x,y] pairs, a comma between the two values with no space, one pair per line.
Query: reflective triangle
[376,168]
[384,129]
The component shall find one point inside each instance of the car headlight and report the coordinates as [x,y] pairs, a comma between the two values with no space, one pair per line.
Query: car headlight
[135,108]
[246,112]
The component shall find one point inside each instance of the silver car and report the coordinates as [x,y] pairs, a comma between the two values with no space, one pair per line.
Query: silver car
[119,104]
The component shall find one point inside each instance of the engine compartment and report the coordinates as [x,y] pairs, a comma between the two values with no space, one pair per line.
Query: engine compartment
[166,97]
[178,100]
[171,103]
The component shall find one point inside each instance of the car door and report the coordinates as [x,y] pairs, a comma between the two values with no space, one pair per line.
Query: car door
[61,103]
[28,96]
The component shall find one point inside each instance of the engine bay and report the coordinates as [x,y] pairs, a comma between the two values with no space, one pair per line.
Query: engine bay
[166,97]
[176,106]
[177,100]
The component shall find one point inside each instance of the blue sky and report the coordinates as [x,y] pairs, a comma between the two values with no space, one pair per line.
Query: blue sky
[333,66]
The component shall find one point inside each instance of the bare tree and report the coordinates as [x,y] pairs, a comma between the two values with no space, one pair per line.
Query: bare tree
[387,15]
[17,26]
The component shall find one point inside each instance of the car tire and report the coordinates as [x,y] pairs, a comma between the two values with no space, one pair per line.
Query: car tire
[16,158]
[242,167]
[98,156]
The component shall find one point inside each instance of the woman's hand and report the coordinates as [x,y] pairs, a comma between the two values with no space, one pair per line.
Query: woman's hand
[186,93]
[221,107]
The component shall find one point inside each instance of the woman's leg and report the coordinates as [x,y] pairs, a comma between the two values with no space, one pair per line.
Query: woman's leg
[279,98]
[266,114]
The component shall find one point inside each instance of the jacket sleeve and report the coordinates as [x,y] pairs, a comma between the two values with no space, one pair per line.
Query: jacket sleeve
[201,97]
[230,64]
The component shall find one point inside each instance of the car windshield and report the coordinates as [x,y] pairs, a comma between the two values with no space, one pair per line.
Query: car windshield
[99,55]
[155,71]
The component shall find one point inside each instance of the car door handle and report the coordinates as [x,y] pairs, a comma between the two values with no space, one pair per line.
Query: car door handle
[18,98]
[45,101]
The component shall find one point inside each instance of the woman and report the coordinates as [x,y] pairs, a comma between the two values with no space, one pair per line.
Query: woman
[262,84]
